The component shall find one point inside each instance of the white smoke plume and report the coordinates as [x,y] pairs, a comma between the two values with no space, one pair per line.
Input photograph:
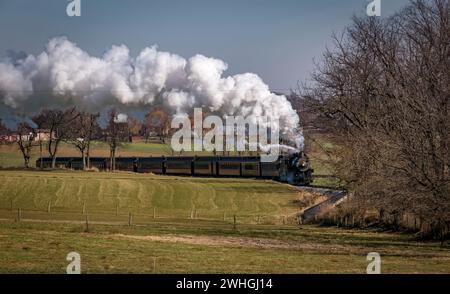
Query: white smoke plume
[121,118]
[63,75]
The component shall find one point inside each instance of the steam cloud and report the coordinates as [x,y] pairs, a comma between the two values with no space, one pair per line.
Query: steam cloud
[63,75]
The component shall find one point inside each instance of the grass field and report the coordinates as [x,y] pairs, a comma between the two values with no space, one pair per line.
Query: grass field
[204,247]
[182,224]
[176,241]
[141,194]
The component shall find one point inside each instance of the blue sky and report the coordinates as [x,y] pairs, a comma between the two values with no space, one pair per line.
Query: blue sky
[277,40]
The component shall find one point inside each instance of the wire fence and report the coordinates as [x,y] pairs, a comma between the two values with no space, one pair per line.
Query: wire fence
[122,216]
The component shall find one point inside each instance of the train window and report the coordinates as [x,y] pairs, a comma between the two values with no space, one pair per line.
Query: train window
[229,165]
[270,166]
[177,165]
[151,165]
[251,166]
[199,165]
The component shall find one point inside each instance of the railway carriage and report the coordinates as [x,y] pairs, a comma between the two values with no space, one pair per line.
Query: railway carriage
[205,165]
[151,165]
[294,169]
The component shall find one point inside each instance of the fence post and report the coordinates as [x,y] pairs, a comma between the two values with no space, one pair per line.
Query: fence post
[117,209]
[259,219]
[87,223]
[130,219]
[49,207]
[154,212]
[234,222]
[84,207]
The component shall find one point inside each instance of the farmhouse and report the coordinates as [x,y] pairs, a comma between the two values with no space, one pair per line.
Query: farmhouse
[8,138]
[43,135]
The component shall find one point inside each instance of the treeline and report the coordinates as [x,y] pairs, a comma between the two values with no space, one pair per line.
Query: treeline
[383,91]
[50,127]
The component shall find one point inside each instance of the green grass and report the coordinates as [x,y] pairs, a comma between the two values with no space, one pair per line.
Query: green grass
[327,182]
[42,248]
[41,241]
[172,197]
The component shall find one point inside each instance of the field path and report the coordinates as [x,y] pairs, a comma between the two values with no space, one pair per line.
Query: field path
[209,240]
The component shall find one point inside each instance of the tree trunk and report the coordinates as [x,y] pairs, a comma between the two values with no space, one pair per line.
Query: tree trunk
[88,157]
[114,160]
[40,154]
[26,160]
[52,153]
[83,157]
[110,160]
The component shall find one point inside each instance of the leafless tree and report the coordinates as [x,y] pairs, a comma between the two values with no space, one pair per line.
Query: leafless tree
[134,126]
[116,132]
[57,122]
[384,90]
[157,121]
[81,132]
[26,139]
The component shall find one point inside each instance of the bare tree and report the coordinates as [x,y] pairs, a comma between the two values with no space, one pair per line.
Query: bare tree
[157,121]
[134,126]
[26,136]
[384,90]
[81,132]
[57,122]
[116,132]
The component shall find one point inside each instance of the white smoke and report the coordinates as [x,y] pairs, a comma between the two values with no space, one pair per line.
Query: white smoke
[63,74]
[121,118]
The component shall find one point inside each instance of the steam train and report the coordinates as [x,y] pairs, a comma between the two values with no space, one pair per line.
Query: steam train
[294,169]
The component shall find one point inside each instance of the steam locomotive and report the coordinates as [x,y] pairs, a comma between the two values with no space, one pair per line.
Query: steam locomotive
[294,169]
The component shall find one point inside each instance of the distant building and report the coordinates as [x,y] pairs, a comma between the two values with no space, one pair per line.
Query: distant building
[136,139]
[8,138]
[43,135]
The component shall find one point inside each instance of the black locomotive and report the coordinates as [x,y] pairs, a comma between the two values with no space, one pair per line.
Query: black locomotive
[294,169]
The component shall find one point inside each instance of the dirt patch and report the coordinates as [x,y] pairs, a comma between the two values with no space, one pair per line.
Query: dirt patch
[264,243]
[234,242]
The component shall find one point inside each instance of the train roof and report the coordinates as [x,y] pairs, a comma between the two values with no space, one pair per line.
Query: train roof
[159,158]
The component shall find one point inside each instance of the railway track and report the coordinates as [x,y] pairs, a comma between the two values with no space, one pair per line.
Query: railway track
[334,197]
